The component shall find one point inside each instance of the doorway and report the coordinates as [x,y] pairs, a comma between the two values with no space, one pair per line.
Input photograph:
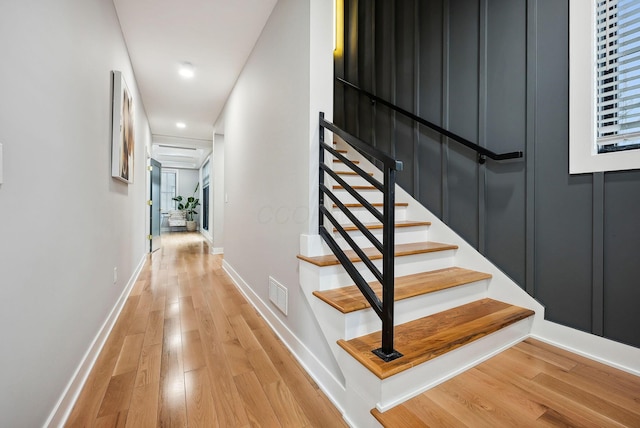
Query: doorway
[154,205]
[206,173]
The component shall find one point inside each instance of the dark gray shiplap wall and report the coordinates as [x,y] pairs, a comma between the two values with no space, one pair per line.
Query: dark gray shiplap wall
[496,72]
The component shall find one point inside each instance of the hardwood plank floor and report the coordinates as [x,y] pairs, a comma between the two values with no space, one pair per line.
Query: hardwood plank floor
[189,351]
[532,384]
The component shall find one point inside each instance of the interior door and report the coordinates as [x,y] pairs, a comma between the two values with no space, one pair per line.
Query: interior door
[205,208]
[155,205]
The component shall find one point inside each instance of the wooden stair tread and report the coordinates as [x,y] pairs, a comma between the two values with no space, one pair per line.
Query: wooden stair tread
[375,226]
[353,161]
[377,205]
[398,416]
[427,338]
[351,173]
[341,151]
[356,188]
[350,299]
[374,254]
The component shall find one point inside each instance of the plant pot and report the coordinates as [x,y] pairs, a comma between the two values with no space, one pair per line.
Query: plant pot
[191,226]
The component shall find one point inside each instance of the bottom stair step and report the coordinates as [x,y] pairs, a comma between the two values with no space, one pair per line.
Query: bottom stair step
[427,338]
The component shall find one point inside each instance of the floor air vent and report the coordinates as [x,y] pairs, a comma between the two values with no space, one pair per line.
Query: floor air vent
[279,295]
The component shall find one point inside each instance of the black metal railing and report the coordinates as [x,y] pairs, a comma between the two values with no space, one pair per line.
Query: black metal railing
[482,152]
[383,308]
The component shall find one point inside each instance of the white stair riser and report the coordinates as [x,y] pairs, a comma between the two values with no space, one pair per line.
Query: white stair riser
[372,196]
[366,321]
[387,393]
[341,167]
[352,180]
[330,277]
[403,235]
[364,215]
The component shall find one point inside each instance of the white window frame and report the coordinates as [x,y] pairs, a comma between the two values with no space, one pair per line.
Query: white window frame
[583,155]
[174,171]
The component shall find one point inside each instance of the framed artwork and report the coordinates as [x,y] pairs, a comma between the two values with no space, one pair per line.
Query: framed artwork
[122,132]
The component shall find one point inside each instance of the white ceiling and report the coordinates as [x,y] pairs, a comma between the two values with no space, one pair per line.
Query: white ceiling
[216,36]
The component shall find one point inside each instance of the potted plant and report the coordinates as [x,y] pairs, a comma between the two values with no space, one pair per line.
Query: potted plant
[189,205]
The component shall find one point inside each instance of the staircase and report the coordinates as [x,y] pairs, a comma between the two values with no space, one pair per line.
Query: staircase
[453,308]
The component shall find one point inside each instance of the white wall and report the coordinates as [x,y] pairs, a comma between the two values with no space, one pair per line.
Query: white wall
[187,181]
[65,223]
[270,132]
[217,194]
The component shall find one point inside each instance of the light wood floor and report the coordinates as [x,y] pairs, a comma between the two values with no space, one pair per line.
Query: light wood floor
[530,385]
[188,350]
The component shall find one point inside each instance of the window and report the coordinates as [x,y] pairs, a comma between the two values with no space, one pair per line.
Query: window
[168,186]
[618,75]
[604,78]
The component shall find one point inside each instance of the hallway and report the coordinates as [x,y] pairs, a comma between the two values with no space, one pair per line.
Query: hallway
[189,350]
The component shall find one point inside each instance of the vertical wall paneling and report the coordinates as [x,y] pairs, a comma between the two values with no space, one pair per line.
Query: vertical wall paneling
[462,169]
[496,73]
[482,121]
[621,249]
[352,119]
[429,101]
[405,91]
[416,99]
[503,114]
[338,71]
[374,90]
[530,145]
[384,76]
[446,43]
[597,300]
[365,56]
[393,34]
[563,202]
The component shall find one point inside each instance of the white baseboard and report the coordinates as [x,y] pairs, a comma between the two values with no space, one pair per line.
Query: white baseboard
[67,400]
[207,236]
[606,351]
[217,250]
[332,387]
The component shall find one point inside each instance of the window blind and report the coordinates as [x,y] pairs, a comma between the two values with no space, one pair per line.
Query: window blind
[618,74]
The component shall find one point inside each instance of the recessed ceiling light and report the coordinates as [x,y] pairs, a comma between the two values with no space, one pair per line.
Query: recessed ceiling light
[181,125]
[186,70]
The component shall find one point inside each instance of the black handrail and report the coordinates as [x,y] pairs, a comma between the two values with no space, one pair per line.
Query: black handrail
[383,308]
[482,151]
